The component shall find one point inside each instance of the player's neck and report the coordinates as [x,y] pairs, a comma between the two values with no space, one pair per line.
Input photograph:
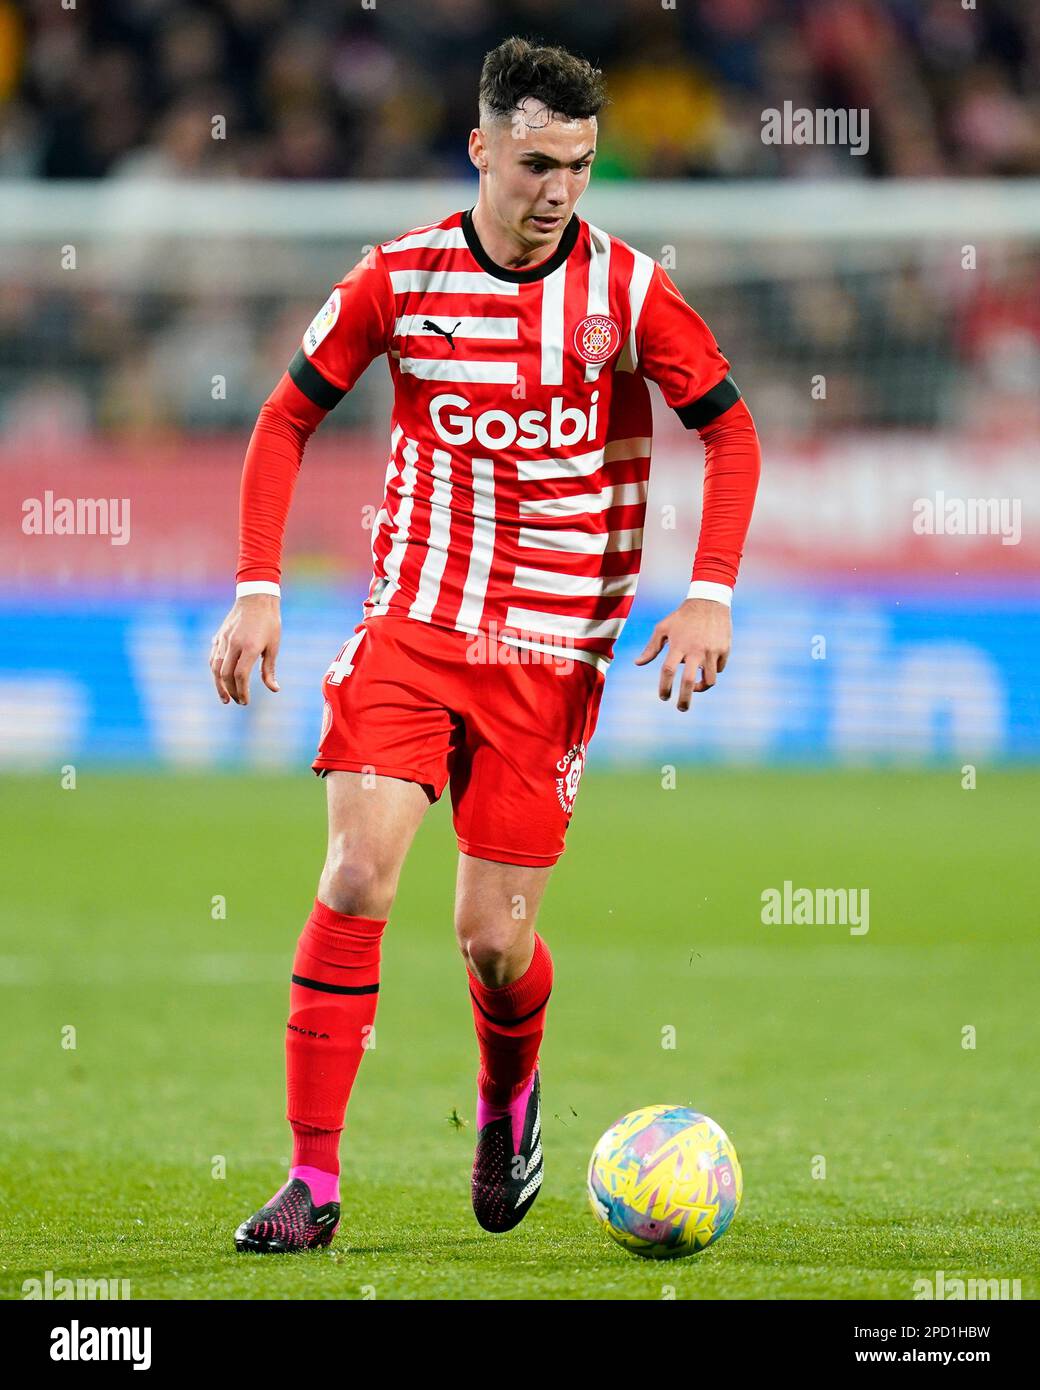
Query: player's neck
[503,248]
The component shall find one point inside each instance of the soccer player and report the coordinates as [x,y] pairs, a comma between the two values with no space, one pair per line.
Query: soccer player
[520,339]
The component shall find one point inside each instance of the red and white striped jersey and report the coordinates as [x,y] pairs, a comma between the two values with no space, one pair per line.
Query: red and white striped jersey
[521,430]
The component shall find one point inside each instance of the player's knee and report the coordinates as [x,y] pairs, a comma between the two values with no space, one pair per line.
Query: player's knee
[356,884]
[491,957]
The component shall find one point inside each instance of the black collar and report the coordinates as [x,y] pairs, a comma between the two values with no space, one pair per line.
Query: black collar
[521,277]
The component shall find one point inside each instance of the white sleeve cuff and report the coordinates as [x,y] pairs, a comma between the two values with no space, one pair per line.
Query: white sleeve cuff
[257,586]
[704,588]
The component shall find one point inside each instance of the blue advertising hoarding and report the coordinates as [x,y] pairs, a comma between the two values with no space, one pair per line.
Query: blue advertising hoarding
[815,677]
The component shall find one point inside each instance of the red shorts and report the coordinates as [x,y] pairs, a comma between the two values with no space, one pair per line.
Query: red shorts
[506,726]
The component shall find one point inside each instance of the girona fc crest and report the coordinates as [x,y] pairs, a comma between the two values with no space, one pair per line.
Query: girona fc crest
[568,775]
[597,338]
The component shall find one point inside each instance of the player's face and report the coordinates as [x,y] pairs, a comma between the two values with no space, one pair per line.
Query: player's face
[537,169]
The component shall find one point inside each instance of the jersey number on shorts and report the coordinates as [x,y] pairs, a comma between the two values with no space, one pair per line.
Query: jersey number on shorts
[344,663]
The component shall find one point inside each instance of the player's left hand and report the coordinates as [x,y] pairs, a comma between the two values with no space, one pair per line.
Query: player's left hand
[698,635]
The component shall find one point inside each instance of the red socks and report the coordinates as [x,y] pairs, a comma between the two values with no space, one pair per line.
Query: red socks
[332,1006]
[335,986]
[510,1024]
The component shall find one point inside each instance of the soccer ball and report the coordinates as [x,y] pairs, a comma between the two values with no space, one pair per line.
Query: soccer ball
[665,1181]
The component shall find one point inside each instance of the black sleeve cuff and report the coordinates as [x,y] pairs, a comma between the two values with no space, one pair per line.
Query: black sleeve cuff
[310,381]
[701,412]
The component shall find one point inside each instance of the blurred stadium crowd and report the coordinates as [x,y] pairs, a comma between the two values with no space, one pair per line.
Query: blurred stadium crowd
[318,89]
[122,92]
[920,345]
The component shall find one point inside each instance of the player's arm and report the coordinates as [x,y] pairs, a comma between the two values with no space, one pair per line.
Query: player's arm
[678,351]
[253,627]
[352,328]
[698,634]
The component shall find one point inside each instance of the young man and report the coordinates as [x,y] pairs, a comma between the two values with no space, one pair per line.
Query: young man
[519,339]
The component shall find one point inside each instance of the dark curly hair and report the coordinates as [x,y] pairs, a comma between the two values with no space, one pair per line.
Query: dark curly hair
[518,68]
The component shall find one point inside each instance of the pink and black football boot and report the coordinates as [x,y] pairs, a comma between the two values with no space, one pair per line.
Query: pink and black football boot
[507,1167]
[289,1223]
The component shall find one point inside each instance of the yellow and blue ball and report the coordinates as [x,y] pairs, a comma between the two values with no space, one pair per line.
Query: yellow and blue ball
[665,1181]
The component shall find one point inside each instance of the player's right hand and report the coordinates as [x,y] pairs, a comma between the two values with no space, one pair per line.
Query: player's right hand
[252,629]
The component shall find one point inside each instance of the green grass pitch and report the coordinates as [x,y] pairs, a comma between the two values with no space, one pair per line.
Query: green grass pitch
[802,1041]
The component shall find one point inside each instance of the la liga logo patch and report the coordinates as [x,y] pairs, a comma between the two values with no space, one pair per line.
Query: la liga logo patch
[597,338]
[322,324]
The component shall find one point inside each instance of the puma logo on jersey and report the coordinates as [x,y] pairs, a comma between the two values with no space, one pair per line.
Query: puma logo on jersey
[497,429]
[429,324]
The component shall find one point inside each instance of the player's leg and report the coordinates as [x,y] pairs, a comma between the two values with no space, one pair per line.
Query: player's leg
[383,750]
[372,821]
[510,971]
[510,978]
[514,781]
